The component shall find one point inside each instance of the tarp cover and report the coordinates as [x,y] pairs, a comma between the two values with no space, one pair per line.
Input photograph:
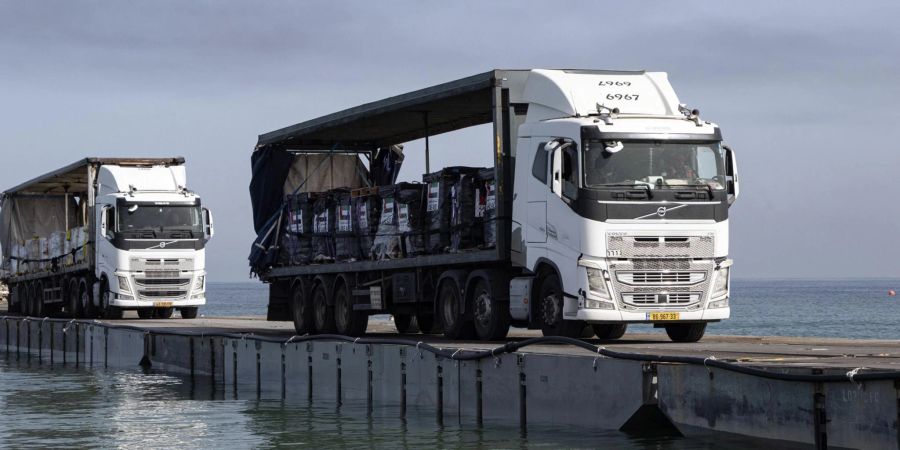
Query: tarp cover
[322,172]
[269,170]
[24,216]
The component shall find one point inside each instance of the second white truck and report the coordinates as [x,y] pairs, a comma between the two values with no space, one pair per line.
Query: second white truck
[105,235]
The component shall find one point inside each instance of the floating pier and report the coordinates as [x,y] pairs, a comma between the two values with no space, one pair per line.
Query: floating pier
[823,392]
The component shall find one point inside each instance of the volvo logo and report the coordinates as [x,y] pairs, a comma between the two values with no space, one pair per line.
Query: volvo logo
[163,244]
[661,212]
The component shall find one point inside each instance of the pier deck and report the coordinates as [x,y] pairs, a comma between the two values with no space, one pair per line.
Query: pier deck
[539,385]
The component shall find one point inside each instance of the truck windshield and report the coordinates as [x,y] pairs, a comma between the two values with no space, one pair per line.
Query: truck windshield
[654,164]
[166,219]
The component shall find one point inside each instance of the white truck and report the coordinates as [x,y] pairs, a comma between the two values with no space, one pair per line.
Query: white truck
[612,203]
[105,235]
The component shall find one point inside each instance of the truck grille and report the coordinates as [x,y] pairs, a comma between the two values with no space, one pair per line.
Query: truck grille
[675,298]
[163,294]
[649,245]
[661,283]
[664,277]
[162,281]
[162,265]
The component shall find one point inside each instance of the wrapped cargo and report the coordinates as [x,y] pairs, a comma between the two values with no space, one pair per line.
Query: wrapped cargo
[486,209]
[296,237]
[466,231]
[366,212]
[346,241]
[323,229]
[386,244]
[410,218]
[439,206]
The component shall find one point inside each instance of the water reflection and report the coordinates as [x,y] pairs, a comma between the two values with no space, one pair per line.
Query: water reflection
[63,406]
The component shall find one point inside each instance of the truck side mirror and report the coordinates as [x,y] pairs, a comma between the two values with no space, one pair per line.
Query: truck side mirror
[556,171]
[733,186]
[208,223]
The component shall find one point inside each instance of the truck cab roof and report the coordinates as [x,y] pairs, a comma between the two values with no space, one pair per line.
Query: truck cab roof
[74,177]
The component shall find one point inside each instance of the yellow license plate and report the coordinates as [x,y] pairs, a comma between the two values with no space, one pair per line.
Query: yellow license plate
[162,304]
[663,316]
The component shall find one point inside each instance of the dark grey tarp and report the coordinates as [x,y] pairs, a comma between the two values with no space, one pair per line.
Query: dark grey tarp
[270,169]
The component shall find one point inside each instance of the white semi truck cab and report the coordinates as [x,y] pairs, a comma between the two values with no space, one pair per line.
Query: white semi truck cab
[106,235]
[624,193]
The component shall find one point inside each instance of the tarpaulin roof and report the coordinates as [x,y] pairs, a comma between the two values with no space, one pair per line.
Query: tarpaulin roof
[426,112]
[73,177]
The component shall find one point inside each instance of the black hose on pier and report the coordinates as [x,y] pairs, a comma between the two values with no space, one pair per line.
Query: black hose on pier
[856,375]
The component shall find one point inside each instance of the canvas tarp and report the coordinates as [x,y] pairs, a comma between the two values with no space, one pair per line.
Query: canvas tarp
[23,217]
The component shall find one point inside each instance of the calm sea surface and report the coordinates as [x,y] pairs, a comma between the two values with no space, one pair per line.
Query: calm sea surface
[67,407]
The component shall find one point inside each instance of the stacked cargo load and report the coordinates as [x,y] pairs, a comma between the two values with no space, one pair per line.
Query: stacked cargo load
[366,212]
[323,228]
[486,209]
[296,240]
[410,218]
[386,244]
[466,231]
[439,207]
[346,239]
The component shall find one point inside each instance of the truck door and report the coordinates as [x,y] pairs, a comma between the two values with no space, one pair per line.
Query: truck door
[537,191]
[562,221]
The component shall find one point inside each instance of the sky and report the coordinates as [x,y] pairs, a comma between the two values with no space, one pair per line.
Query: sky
[803,95]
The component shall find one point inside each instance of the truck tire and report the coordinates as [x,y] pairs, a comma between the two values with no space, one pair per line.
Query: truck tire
[686,332]
[427,324]
[551,307]
[146,313]
[189,312]
[609,330]
[16,306]
[490,317]
[73,300]
[301,309]
[89,310]
[322,312]
[37,307]
[449,301]
[404,324]
[108,311]
[164,313]
[347,321]
[28,300]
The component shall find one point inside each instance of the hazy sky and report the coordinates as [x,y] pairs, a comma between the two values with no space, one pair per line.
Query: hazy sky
[808,97]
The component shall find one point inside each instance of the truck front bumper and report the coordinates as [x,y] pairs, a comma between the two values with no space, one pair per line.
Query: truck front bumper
[134,304]
[606,315]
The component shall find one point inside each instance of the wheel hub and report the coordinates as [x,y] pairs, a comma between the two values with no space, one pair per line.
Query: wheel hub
[550,309]
[483,308]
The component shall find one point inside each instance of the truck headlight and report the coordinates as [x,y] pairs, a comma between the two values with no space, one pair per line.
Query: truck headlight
[598,304]
[719,304]
[200,283]
[596,282]
[721,285]
[123,284]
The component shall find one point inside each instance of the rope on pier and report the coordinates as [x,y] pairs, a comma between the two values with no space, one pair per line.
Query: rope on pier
[853,376]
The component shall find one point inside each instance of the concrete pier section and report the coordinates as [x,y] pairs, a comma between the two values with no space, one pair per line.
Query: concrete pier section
[543,384]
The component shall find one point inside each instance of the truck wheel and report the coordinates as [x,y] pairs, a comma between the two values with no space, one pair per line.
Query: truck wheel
[146,313]
[347,321]
[16,306]
[189,312]
[427,324]
[609,330]
[686,332]
[73,300]
[37,307]
[449,301]
[164,313]
[108,311]
[552,322]
[324,314]
[89,310]
[404,324]
[28,300]
[301,310]
[491,316]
